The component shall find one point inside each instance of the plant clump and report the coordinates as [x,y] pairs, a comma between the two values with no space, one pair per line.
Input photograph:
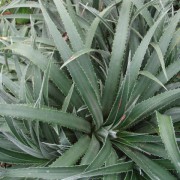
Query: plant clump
[90,89]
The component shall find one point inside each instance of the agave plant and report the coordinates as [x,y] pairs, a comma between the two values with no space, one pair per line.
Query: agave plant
[90,89]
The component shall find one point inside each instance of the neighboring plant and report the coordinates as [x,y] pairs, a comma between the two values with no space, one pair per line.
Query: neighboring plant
[91,90]
[21,12]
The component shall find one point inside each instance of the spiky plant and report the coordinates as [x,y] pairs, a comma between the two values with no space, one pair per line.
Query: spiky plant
[90,90]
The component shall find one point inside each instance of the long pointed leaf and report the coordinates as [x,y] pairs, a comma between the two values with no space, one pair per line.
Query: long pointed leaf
[168,137]
[30,113]
[161,58]
[147,107]
[119,46]
[140,53]
[171,70]
[93,28]
[151,76]
[67,99]
[66,173]
[71,156]
[108,170]
[111,161]
[78,74]
[101,157]
[153,170]
[43,173]
[57,76]
[92,151]
[153,65]
[77,45]
[18,158]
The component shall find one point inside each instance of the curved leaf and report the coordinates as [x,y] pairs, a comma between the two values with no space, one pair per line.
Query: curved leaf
[80,53]
[171,70]
[168,137]
[9,156]
[57,76]
[148,107]
[151,76]
[140,53]
[92,30]
[152,66]
[161,58]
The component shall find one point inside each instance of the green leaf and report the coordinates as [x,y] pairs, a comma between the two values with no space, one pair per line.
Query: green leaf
[152,66]
[151,76]
[92,151]
[168,137]
[119,46]
[43,172]
[65,173]
[102,20]
[77,45]
[94,25]
[156,149]
[14,157]
[78,73]
[166,163]
[161,58]
[36,79]
[101,157]
[22,90]
[73,16]
[71,156]
[7,97]
[43,94]
[141,138]
[67,99]
[148,107]
[140,53]
[108,170]
[119,106]
[30,113]
[13,126]
[25,147]
[57,76]
[112,159]
[23,16]
[11,85]
[174,113]
[175,41]
[152,149]
[171,70]
[45,83]
[152,169]
[80,53]
[142,9]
